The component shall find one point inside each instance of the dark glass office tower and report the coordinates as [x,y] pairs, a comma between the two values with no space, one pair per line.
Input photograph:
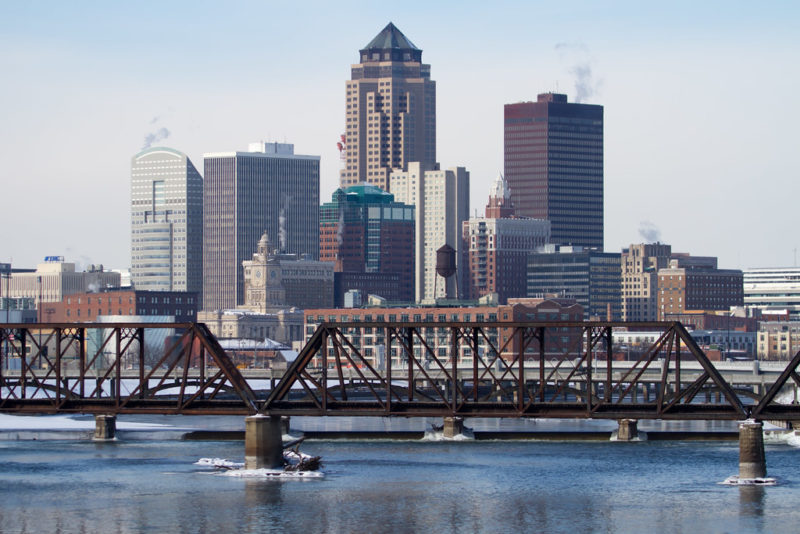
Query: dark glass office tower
[554,166]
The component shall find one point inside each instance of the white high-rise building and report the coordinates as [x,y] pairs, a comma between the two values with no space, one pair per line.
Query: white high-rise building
[166,222]
[773,289]
[441,202]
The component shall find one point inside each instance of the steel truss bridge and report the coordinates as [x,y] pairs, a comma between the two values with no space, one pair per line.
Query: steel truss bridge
[425,369]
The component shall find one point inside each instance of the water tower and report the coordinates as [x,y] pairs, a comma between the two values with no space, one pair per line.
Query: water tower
[446,268]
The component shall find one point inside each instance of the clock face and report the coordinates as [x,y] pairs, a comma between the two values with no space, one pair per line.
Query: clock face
[258,277]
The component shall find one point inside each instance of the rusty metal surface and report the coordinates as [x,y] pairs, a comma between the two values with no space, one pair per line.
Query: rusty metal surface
[468,369]
[118,368]
[523,369]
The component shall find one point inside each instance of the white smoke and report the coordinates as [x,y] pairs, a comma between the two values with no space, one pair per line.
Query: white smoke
[649,232]
[586,86]
[282,231]
[154,137]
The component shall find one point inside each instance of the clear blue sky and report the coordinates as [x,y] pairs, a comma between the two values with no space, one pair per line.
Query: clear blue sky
[701,109]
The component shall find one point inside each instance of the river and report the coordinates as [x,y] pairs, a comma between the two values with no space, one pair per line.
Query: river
[148,481]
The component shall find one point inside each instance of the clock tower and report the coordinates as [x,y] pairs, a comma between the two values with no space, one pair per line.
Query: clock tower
[263,286]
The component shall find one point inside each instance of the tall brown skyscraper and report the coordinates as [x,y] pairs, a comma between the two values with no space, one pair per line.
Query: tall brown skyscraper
[391,111]
[554,166]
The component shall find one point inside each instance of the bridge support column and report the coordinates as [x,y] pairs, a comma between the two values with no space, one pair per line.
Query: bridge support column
[752,462]
[628,429]
[263,447]
[105,427]
[285,420]
[453,426]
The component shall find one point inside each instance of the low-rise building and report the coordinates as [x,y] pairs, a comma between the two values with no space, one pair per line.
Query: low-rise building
[87,307]
[283,326]
[372,343]
[779,340]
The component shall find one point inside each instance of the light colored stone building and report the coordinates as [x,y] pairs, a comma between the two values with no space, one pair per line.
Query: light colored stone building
[441,202]
[778,340]
[640,265]
[55,278]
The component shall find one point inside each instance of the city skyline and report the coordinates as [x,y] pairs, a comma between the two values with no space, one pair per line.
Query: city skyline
[683,152]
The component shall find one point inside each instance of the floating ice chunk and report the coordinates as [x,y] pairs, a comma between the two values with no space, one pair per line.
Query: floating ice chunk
[273,473]
[219,462]
[760,481]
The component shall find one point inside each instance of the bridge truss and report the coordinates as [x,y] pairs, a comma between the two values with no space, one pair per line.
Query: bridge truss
[118,368]
[411,369]
[543,369]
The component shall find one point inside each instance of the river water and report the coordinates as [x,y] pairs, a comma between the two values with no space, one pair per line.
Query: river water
[148,481]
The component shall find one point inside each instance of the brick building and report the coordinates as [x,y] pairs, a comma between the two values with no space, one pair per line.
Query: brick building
[87,307]
[496,247]
[698,288]
[372,344]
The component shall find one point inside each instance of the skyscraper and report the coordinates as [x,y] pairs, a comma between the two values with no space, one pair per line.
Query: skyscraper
[267,189]
[166,222]
[554,166]
[370,238]
[441,200]
[391,111]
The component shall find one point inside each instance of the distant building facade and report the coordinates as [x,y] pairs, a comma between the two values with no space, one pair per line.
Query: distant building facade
[701,288]
[283,326]
[54,279]
[166,222]
[182,306]
[779,340]
[370,240]
[441,201]
[553,152]
[496,247]
[273,280]
[589,276]
[245,194]
[773,289]
[640,264]
[373,346]
[391,111]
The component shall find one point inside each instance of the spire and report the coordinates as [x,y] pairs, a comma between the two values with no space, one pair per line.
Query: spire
[390,45]
[499,206]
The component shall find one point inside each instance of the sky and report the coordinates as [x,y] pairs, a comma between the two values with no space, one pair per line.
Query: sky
[700,101]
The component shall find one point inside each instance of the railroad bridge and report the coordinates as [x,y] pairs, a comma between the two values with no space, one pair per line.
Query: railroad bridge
[451,370]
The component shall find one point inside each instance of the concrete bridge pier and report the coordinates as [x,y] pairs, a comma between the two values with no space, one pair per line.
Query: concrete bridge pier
[105,427]
[752,462]
[263,447]
[628,429]
[453,426]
